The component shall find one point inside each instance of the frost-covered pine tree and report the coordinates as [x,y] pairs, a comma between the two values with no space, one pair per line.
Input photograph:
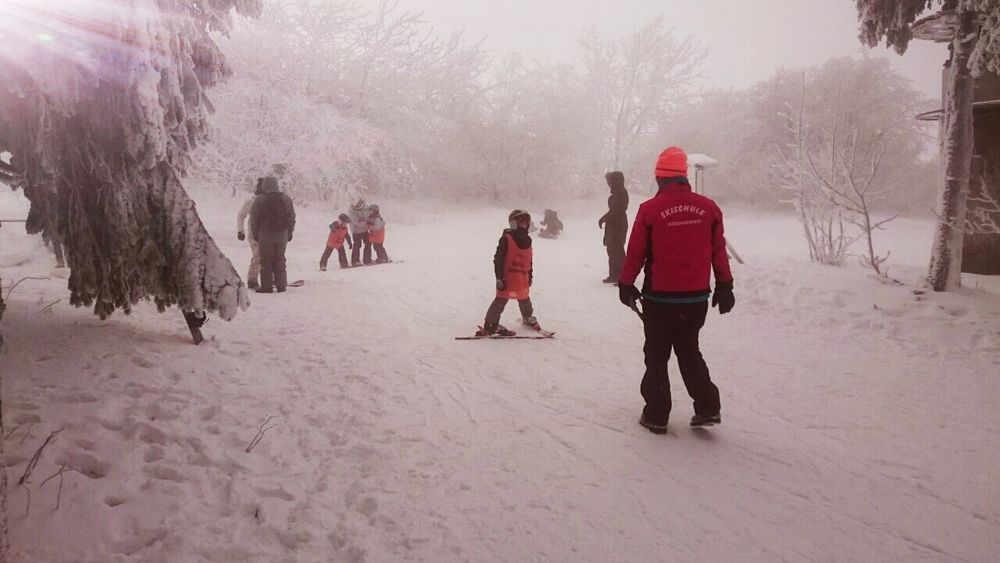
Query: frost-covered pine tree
[975,47]
[101,105]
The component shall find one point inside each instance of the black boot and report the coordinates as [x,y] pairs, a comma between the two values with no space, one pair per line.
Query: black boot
[655,425]
[706,419]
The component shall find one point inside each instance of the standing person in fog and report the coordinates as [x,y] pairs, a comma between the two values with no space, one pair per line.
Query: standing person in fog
[615,224]
[272,221]
[678,240]
[359,225]
[241,219]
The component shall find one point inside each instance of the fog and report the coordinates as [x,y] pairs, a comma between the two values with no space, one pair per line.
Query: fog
[534,102]
[748,39]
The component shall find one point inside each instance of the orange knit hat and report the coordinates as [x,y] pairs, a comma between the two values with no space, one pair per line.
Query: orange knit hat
[673,162]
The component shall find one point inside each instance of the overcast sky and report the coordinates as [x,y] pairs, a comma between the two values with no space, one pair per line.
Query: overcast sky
[749,39]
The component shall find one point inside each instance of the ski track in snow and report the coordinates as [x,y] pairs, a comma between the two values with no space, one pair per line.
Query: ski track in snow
[860,420]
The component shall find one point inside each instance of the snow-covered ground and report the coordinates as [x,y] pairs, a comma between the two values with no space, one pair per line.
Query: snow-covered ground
[861,421]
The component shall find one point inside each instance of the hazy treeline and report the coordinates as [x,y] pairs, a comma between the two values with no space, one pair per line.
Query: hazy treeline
[339,97]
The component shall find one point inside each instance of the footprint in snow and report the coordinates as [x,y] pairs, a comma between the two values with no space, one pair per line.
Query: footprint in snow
[86,463]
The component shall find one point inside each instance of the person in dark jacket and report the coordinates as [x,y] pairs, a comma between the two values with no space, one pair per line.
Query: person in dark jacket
[272,222]
[678,240]
[551,225]
[615,224]
[512,265]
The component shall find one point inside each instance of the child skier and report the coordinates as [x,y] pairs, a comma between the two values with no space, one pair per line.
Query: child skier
[376,233]
[335,241]
[512,265]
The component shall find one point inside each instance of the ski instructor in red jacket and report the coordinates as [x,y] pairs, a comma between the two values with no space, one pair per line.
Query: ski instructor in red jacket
[677,239]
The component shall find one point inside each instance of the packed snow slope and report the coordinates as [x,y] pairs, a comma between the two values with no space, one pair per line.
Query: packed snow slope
[861,420]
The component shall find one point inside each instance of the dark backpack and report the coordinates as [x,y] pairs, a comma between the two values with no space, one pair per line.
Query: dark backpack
[274,212]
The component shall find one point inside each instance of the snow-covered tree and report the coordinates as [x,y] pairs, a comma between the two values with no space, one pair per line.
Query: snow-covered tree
[101,106]
[343,97]
[635,82]
[974,47]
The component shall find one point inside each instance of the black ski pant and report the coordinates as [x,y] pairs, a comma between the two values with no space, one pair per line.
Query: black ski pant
[496,309]
[380,253]
[616,258]
[341,254]
[361,239]
[272,265]
[675,326]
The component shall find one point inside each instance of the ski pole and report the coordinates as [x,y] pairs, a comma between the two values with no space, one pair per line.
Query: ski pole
[635,307]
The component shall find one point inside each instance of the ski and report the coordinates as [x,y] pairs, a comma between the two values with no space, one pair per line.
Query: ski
[297,283]
[512,336]
[544,333]
[378,263]
[498,337]
[194,323]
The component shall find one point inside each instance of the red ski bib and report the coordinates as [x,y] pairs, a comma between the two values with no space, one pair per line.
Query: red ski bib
[516,266]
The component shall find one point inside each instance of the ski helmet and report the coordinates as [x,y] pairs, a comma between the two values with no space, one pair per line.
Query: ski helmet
[515,215]
[373,208]
[344,218]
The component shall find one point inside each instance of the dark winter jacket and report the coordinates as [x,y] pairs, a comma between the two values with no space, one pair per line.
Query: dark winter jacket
[678,237]
[272,215]
[552,223]
[615,221]
[521,238]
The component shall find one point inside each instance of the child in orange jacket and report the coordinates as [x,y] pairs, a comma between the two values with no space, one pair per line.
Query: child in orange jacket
[376,233]
[513,267]
[335,241]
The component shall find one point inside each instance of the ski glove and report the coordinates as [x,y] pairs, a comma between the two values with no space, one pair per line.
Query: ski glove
[240,235]
[628,294]
[289,237]
[723,297]
[501,285]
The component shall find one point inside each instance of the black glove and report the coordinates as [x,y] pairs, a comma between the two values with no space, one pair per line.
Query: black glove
[628,293]
[501,285]
[289,236]
[723,297]
[240,235]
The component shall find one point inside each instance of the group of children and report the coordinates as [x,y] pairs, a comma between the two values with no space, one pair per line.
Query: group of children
[364,221]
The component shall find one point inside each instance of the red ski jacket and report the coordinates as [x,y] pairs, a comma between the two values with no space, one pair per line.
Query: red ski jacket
[678,237]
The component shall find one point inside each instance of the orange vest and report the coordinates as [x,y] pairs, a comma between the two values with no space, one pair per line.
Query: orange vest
[377,237]
[516,266]
[336,238]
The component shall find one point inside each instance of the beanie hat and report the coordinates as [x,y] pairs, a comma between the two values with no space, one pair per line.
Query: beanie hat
[344,218]
[672,163]
[615,180]
[269,184]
